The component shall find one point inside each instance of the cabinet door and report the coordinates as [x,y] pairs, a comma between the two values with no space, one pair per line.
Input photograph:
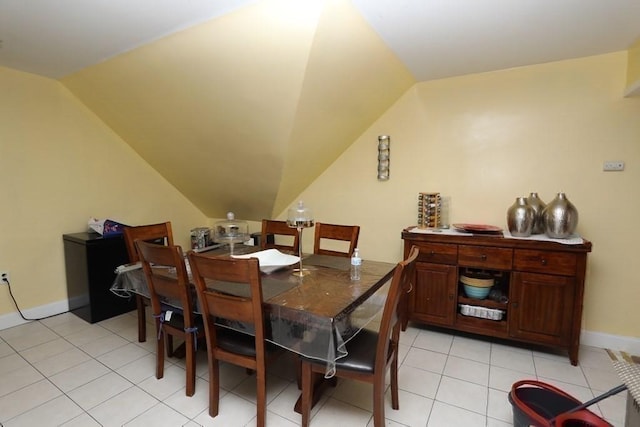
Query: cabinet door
[90,261]
[541,308]
[434,298]
[102,259]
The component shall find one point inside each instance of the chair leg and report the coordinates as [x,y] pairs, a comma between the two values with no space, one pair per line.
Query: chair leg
[299,373]
[214,386]
[142,319]
[403,311]
[395,401]
[307,392]
[160,356]
[261,396]
[378,403]
[169,346]
[191,365]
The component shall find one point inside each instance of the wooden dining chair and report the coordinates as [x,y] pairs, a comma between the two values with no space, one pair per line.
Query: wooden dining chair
[224,344]
[279,228]
[370,353]
[167,279]
[344,233]
[157,233]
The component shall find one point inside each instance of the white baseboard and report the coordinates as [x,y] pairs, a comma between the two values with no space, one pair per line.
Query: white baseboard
[594,339]
[14,319]
[614,342]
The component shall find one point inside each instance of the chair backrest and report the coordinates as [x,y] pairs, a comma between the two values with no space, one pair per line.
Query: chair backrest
[243,273]
[167,277]
[389,332]
[155,233]
[346,233]
[279,228]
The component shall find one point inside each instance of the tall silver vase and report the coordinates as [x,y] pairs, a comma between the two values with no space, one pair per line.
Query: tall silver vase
[520,217]
[560,217]
[538,206]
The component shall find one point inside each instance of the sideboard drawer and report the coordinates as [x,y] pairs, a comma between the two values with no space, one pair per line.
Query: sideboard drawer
[439,253]
[485,257]
[562,263]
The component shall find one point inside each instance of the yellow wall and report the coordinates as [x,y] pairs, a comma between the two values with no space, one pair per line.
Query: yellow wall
[60,165]
[261,90]
[485,139]
[482,140]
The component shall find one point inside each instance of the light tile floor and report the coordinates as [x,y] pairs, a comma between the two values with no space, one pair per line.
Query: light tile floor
[64,371]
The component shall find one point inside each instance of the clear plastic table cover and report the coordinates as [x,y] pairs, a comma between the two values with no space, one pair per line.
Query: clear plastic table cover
[315,315]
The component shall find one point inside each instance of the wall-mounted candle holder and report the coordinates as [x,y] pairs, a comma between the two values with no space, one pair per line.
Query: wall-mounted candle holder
[384,148]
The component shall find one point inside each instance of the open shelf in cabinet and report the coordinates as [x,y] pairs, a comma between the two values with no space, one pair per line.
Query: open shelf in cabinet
[475,324]
[498,295]
[476,312]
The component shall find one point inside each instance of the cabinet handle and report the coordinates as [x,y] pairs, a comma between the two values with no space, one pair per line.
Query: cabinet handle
[432,253]
[483,257]
[543,261]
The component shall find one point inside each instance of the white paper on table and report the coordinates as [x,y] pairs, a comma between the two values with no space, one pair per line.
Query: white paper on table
[271,259]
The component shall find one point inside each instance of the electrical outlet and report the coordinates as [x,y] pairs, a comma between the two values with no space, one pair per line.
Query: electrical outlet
[4,277]
[613,166]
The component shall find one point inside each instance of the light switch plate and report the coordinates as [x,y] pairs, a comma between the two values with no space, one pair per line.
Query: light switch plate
[613,166]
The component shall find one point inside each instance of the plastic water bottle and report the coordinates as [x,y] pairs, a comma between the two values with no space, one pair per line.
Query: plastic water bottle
[356,262]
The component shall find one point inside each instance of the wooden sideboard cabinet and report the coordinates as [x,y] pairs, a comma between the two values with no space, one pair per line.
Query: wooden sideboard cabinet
[541,283]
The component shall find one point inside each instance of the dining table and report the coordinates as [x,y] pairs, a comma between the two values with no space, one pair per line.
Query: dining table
[314,315]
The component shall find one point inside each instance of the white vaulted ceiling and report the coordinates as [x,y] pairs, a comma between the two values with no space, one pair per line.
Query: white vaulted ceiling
[434,38]
[241,104]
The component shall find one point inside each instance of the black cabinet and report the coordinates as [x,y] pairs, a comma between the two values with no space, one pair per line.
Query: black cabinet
[90,261]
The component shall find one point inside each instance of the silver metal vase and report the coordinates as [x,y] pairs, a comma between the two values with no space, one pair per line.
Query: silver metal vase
[520,217]
[560,217]
[538,206]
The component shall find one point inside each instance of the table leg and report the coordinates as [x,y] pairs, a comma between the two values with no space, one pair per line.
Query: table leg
[320,384]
